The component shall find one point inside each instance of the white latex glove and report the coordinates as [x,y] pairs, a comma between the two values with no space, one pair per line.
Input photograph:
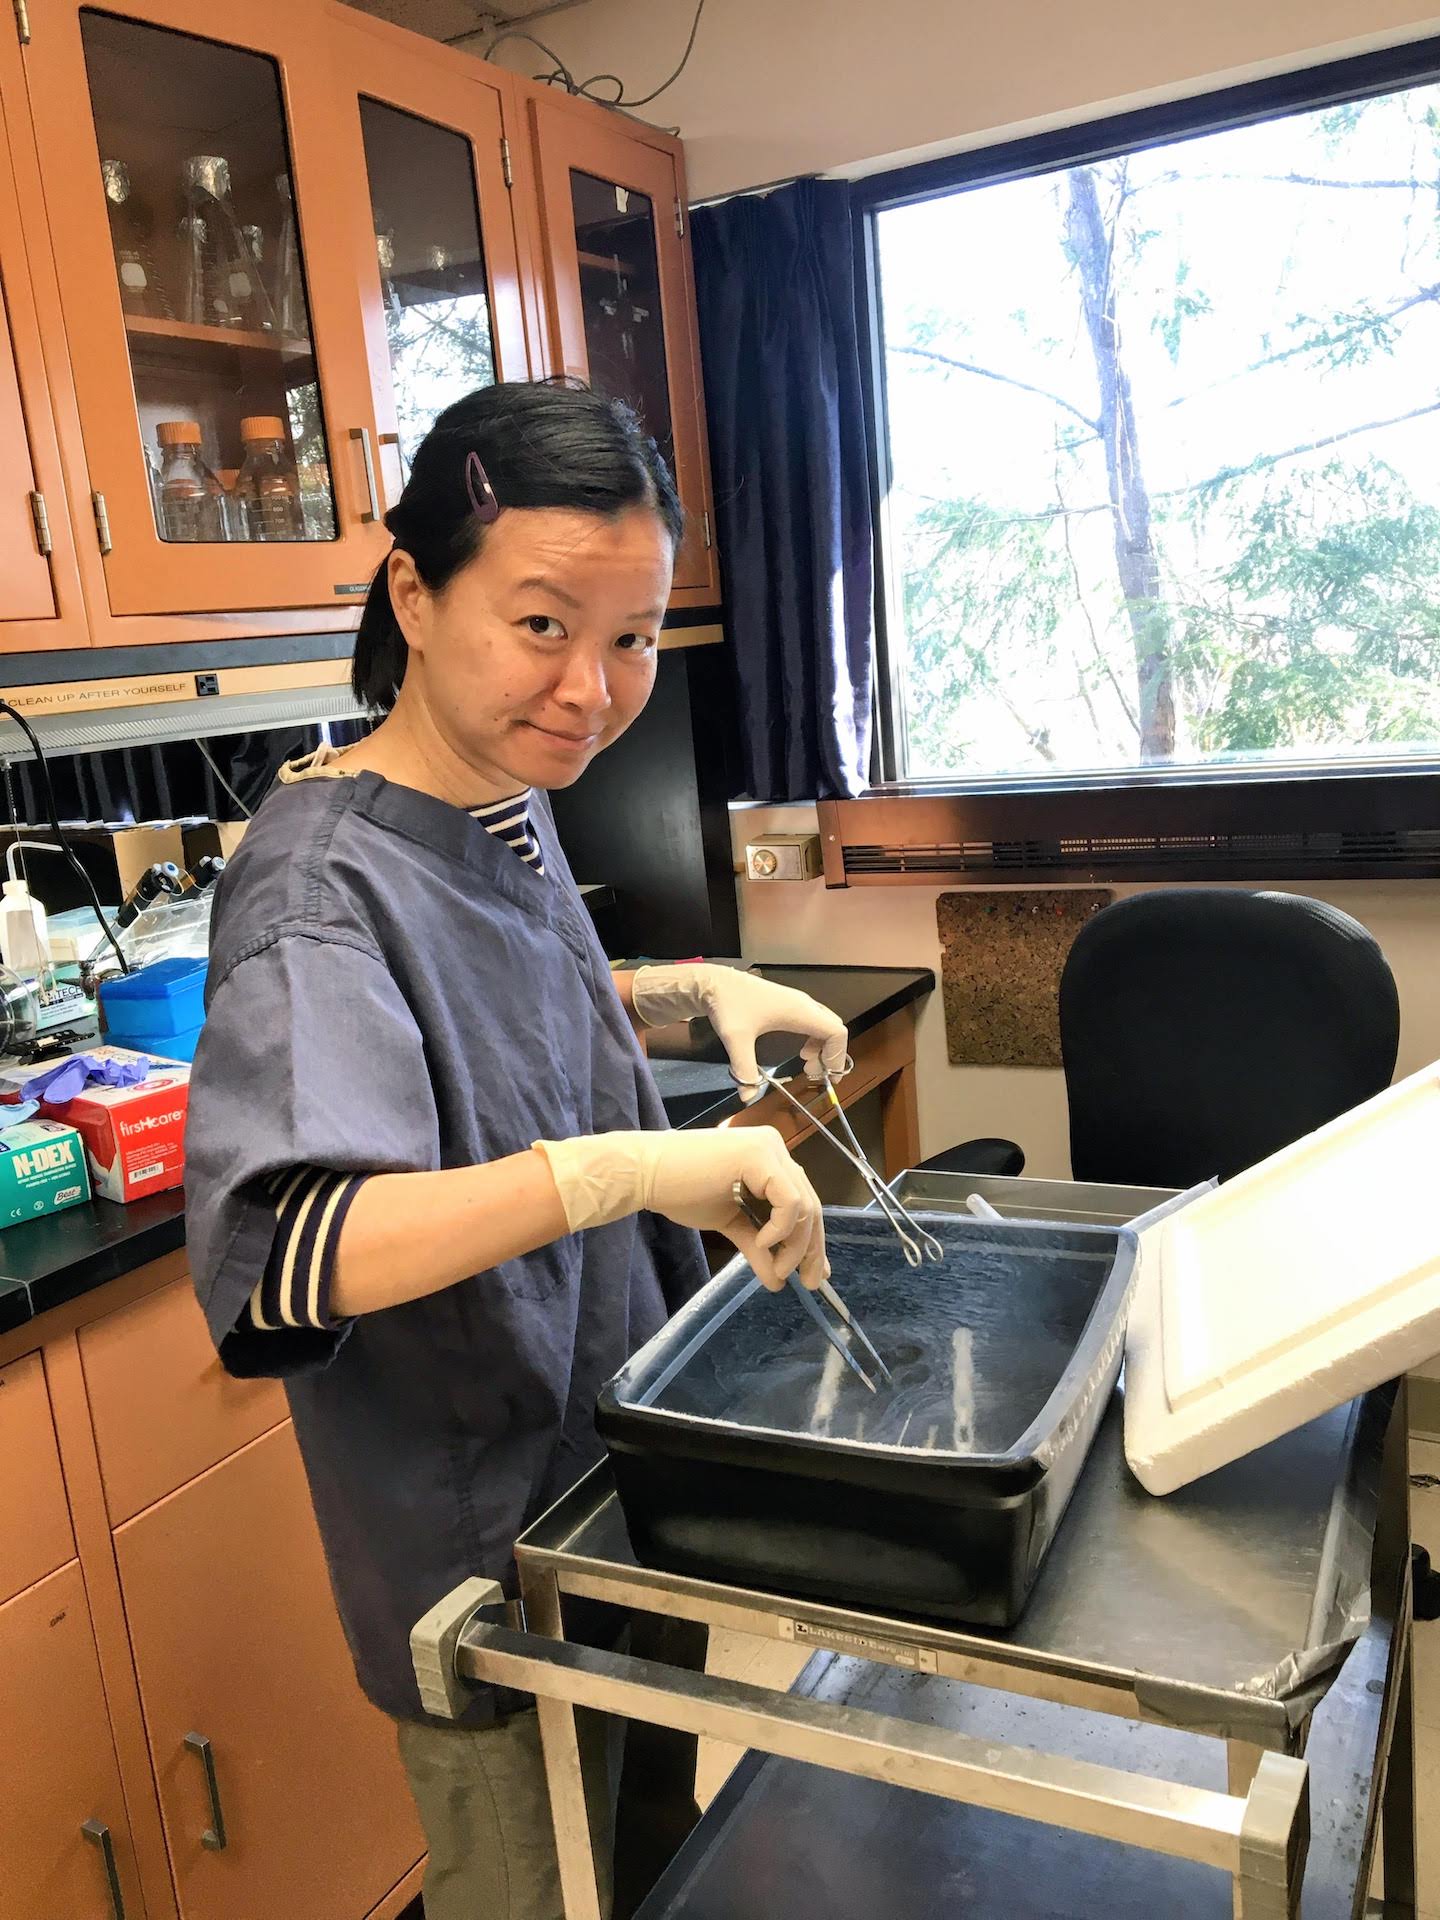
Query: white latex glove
[690,1178]
[740,1007]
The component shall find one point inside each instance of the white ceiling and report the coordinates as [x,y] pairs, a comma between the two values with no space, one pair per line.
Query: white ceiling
[446,19]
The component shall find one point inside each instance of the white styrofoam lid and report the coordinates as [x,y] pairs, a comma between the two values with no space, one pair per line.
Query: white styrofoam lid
[1309,1278]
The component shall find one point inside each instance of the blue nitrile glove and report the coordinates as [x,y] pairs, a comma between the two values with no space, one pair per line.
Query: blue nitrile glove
[63,1081]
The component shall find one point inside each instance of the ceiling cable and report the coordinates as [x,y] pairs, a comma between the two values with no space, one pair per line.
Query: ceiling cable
[584,89]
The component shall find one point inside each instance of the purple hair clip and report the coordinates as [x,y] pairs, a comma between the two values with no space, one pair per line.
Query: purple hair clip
[482,495]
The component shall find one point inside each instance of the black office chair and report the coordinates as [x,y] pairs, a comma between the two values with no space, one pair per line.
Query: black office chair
[1204,1029]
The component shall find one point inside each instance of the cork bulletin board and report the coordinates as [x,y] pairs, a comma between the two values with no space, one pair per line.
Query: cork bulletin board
[1001,955]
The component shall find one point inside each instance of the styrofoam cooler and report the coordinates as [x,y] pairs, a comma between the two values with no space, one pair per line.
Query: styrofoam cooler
[1306,1280]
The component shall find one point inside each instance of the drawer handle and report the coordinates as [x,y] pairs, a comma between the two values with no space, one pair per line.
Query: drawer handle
[98,1834]
[214,1835]
[372,485]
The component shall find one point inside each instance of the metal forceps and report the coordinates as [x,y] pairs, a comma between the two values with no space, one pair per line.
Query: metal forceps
[757,1215]
[915,1242]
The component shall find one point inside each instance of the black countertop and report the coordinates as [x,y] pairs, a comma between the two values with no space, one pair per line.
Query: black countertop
[47,1262]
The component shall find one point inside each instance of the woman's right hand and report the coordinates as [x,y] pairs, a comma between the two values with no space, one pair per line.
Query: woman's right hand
[691,1178]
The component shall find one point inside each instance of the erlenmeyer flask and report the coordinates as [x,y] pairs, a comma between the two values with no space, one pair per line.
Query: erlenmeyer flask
[385,257]
[141,291]
[288,295]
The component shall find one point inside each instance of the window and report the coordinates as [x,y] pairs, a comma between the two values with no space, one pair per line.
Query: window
[1160,444]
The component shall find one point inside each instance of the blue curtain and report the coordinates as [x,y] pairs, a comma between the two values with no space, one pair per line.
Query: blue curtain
[775,287]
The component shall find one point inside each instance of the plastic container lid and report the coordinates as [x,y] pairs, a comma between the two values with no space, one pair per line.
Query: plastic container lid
[1309,1278]
[155,1003]
[262,426]
[178,433]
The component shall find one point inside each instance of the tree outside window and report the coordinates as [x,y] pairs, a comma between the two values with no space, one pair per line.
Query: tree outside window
[1164,434]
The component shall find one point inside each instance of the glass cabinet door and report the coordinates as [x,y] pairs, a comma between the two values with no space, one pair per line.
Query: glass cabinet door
[221,454]
[620,300]
[431,260]
[619,284]
[436,251]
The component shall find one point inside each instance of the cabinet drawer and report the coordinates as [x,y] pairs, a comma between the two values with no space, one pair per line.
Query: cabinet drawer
[35,1533]
[60,1771]
[236,1638]
[164,1408]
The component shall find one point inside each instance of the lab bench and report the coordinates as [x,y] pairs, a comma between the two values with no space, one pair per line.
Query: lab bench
[47,1263]
[50,1262]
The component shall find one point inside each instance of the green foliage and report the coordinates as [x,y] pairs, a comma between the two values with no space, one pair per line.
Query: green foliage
[1300,600]
[1342,641]
[1188,304]
[983,590]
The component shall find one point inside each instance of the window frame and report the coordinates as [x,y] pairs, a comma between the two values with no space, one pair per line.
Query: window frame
[1256,795]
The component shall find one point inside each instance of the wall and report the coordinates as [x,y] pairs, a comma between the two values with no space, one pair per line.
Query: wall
[896,927]
[808,86]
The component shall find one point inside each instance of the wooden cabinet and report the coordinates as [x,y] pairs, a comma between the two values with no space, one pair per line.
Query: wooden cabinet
[156,1529]
[158,1353]
[64,1840]
[275,248]
[621,302]
[35,1532]
[40,604]
[237,1643]
[208,290]
[430,219]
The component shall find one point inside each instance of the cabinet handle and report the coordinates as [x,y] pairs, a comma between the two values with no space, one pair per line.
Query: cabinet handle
[214,1835]
[393,440]
[372,485]
[98,1834]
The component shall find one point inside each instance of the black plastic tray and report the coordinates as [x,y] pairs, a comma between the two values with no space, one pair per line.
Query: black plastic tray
[746,1452]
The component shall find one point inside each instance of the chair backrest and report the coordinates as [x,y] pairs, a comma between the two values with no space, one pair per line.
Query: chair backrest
[1203,1029]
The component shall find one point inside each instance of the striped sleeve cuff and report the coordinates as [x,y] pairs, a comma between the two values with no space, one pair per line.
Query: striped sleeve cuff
[310,1210]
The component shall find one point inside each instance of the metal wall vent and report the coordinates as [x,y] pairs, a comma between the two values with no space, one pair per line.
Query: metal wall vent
[1216,856]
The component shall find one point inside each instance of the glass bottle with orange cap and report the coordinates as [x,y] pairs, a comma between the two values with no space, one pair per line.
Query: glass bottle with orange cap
[267,489]
[191,499]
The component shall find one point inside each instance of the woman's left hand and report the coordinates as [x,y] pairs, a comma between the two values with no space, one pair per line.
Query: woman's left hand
[740,1007]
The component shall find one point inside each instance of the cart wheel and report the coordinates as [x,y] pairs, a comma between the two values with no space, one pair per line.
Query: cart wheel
[1425,1583]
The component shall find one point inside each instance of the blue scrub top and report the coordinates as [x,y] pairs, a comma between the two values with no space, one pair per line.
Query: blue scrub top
[391,991]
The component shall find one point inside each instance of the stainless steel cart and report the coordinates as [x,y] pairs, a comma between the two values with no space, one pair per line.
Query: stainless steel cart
[1226,1613]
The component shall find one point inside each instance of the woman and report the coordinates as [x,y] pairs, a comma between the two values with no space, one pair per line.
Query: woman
[430,1182]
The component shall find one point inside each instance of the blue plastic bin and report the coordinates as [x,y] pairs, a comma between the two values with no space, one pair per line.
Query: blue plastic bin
[156,1006]
[169,1046]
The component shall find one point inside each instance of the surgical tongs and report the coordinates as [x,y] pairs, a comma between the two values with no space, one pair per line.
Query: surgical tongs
[757,1216]
[914,1240]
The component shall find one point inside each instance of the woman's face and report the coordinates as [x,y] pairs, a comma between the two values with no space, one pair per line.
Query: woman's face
[542,650]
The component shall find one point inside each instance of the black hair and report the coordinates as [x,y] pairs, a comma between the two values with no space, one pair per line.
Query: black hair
[542,444]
